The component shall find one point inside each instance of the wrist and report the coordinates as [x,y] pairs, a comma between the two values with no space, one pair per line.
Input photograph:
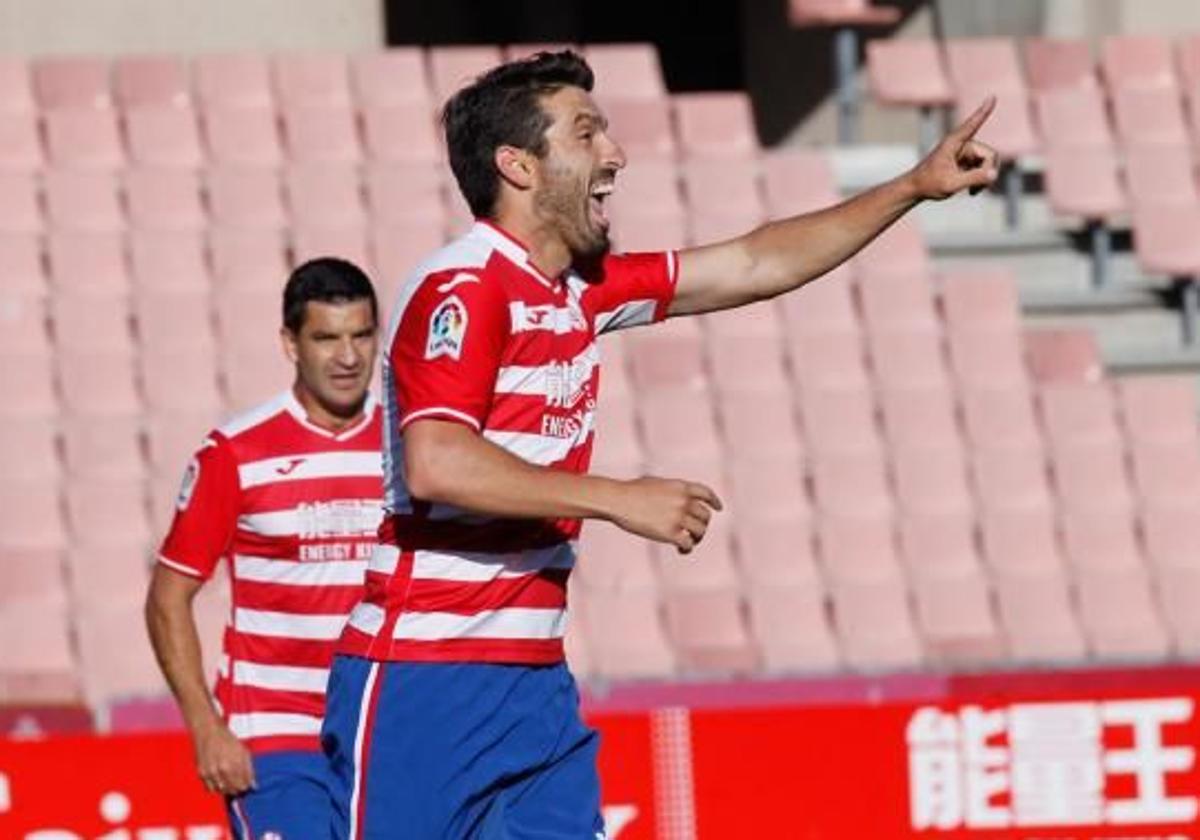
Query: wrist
[909,187]
[606,498]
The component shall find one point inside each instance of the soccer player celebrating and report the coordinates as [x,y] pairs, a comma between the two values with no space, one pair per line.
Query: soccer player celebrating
[289,493]
[450,711]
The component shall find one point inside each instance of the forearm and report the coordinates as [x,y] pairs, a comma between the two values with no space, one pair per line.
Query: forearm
[176,644]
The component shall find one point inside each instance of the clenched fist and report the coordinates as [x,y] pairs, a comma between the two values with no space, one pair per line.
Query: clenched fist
[666,510]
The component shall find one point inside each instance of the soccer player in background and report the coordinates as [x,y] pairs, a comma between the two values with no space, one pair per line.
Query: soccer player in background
[451,713]
[289,494]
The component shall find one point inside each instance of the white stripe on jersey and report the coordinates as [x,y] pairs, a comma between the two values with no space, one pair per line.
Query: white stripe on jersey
[300,467]
[532,381]
[384,558]
[507,623]
[477,566]
[547,317]
[280,677]
[294,573]
[539,449]
[634,313]
[367,618]
[319,627]
[342,518]
[263,724]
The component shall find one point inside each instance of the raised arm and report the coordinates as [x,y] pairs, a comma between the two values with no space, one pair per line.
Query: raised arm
[785,254]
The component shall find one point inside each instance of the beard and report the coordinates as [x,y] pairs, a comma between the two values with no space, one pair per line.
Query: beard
[563,202]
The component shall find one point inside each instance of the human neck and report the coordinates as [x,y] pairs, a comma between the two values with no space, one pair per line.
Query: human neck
[321,416]
[547,250]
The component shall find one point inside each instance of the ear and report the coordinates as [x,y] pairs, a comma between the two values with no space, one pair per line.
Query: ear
[515,166]
[288,340]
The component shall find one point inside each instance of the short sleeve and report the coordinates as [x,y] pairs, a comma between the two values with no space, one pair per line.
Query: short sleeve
[206,511]
[446,351]
[629,290]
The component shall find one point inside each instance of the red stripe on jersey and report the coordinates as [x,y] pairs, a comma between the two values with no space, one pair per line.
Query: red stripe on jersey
[498,651]
[279,743]
[308,600]
[547,588]
[282,495]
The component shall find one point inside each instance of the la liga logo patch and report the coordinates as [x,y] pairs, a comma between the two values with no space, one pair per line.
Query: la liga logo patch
[447,329]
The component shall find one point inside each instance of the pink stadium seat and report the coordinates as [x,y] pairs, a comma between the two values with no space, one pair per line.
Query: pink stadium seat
[1150,116]
[103,448]
[151,81]
[1083,182]
[633,643]
[647,188]
[100,383]
[29,449]
[706,226]
[169,261]
[1008,480]
[840,422]
[1039,619]
[171,441]
[908,72]
[1170,536]
[875,626]
[641,126]
[16,86]
[384,78]
[1158,410]
[670,355]
[1010,129]
[804,13]
[71,82]
[938,546]
[628,71]
[716,125]
[1100,540]
[1188,53]
[1063,355]
[1165,241]
[233,80]
[89,322]
[310,241]
[455,67]
[31,575]
[828,361]
[1119,615]
[20,211]
[42,668]
[173,321]
[24,275]
[956,620]
[896,301]
[1052,63]
[251,374]
[247,258]
[730,187]
[900,249]
[83,138]
[757,422]
[321,135]
[919,418]
[23,319]
[1137,61]
[404,194]
[1079,414]
[797,181]
[100,573]
[32,516]
[183,382]
[243,136]
[1161,174]
[908,361]
[679,423]
[931,481]
[312,79]
[30,374]
[981,298]
[111,668]
[764,486]
[823,306]
[1073,117]
[1178,589]
[84,201]
[576,651]
[246,197]
[88,264]
[980,67]
[709,633]
[402,133]
[776,551]
[164,199]
[617,451]
[988,360]
[858,549]
[1020,544]
[792,628]
[1092,478]
[164,136]
[396,249]
[1167,476]
[613,561]
[325,196]
[20,145]
[851,484]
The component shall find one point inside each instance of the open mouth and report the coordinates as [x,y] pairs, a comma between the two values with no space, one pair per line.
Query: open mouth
[596,198]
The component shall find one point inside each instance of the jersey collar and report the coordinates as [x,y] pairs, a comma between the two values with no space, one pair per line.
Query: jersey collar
[513,249]
[298,413]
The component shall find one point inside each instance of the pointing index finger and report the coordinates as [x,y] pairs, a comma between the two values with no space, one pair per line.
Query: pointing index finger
[968,127]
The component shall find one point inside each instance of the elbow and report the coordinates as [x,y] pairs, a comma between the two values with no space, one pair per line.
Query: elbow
[427,473]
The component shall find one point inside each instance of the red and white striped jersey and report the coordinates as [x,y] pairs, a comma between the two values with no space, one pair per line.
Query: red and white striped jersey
[480,337]
[295,509]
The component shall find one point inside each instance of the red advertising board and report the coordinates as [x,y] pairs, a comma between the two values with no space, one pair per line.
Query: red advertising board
[1108,764]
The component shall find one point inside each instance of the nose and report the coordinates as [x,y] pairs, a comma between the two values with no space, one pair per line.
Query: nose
[347,353]
[613,155]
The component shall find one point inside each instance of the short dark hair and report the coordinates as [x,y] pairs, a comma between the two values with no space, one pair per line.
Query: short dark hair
[325,279]
[501,108]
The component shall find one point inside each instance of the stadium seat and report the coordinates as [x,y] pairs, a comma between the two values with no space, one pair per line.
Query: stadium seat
[991,361]
[326,135]
[852,484]
[633,643]
[627,71]
[648,190]
[715,125]
[641,126]
[72,82]
[325,195]
[919,418]
[349,242]
[756,422]
[29,449]
[1170,537]
[981,67]
[103,448]
[395,250]
[767,485]
[839,13]
[248,259]
[16,86]
[181,381]
[23,319]
[42,668]
[830,361]
[172,438]
[83,201]
[1137,61]
[1100,540]
[151,81]
[899,250]
[455,67]
[708,631]
[1078,414]
[875,625]
[1073,118]
[956,622]
[797,181]
[169,262]
[312,80]
[1177,590]
[1053,63]
[233,80]
[166,137]
[24,274]
[83,138]
[775,549]
[20,144]
[1011,480]
[821,307]
[980,298]
[840,422]
[938,546]
[1150,116]
[249,197]
[1158,410]
[1164,240]
[111,668]
[20,210]
[1167,476]
[101,383]
[30,374]
[1161,174]
[408,195]
[792,628]
[670,355]
[611,560]
[101,573]
[1019,544]
[403,132]
[1039,619]
[1119,616]
[931,481]
[84,322]
[243,136]
[31,575]
[896,301]
[32,516]
[906,361]
[386,78]
[908,72]
[679,423]
[858,548]
[164,199]
[1063,355]
[710,185]
[1083,182]
[87,265]
[1092,478]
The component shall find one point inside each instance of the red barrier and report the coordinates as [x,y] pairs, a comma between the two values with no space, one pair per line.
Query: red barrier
[1105,762]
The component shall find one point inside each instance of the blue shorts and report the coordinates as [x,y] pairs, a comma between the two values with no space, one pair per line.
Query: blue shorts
[291,801]
[447,750]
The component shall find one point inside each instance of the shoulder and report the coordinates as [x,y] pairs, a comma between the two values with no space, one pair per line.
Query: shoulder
[254,418]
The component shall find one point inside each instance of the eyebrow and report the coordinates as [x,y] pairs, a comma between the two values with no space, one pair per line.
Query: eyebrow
[591,117]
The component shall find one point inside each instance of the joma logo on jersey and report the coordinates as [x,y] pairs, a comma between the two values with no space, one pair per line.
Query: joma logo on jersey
[555,319]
